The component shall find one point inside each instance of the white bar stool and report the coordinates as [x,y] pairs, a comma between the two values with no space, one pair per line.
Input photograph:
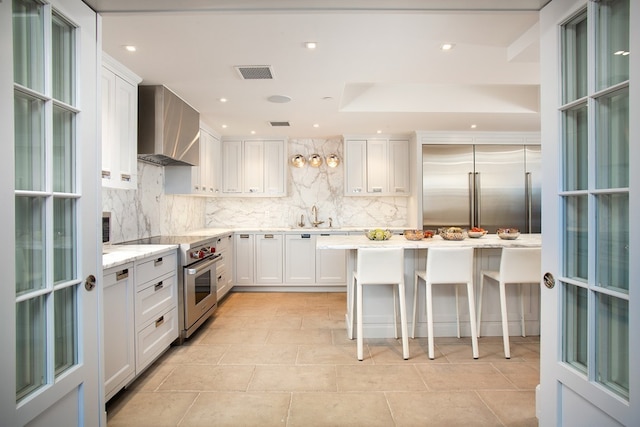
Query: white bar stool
[517,266]
[381,266]
[447,266]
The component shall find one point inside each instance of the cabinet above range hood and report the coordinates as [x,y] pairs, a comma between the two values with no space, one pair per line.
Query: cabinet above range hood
[168,128]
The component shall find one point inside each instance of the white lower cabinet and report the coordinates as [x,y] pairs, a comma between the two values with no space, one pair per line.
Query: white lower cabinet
[119,329]
[269,249]
[331,265]
[224,268]
[300,258]
[243,248]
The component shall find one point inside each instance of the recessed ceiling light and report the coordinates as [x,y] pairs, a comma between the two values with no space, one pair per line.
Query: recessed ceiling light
[473,126]
[130,48]
[327,98]
[446,46]
[316,125]
[224,126]
[311,45]
[279,99]
[222,99]
[253,132]
[378,131]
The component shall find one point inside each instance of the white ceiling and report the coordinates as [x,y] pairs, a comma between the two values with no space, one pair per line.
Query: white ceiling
[378,64]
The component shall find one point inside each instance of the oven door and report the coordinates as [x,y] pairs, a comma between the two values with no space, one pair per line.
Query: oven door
[200,290]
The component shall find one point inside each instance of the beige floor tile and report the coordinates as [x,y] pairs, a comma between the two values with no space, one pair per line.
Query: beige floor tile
[260,354]
[293,378]
[275,322]
[303,311]
[151,379]
[235,336]
[313,336]
[208,378]
[152,410]
[197,354]
[515,409]
[238,409]
[379,378]
[339,409]
[463,376]
[523,375]
[446,409]
[321,322]
[329,354]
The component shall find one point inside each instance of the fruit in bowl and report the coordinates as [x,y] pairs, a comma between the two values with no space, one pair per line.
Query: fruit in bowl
[508,233]
[413,234]
[428,234]
[453,233]
[378,234]
[476,232]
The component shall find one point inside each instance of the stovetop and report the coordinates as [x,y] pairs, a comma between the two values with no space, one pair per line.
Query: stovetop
[185,242]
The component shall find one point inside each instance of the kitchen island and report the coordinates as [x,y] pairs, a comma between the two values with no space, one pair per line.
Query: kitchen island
[378,309]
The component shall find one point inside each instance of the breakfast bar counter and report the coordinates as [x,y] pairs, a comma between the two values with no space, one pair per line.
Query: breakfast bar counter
[378,308]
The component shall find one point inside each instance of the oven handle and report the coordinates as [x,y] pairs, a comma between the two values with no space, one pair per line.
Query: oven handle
[203,265]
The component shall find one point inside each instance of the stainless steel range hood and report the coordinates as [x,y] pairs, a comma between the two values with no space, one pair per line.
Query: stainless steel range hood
[168,128]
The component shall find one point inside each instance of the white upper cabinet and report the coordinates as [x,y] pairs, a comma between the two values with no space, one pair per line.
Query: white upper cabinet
[254,167]
[377,167]
[119,125]
[201,180]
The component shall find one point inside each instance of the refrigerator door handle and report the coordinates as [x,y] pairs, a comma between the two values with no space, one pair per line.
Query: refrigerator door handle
[528,200]
[472,197]
[477,202]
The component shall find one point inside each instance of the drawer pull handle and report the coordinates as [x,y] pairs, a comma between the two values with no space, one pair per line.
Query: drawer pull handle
[219,277]
[244,236]
[305,236]
[160,321]
[106,174]
[122,274]
[125,177]
[158,286]
[157,262]
[268,236]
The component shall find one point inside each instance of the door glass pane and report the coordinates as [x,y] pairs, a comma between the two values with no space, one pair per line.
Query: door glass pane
[612,41]
[28,44]
[575,238]
[613,241]
[574,324]
[30,347]
[575,149]
[63,150]
[613,344]
[64,240]
[612,143]
[574,64]
[30,244]
[63,68]
[29,143]
[65,328]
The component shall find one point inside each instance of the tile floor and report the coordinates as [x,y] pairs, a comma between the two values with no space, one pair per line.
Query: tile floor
[283,359]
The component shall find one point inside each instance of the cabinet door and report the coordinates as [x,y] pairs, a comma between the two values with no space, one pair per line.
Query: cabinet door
[254,167]
[127,132]
[274,167]
[399,179]
[232,169]
[355,166]
[331,265]
[216,167]
[300,258]
[269,249]
[108,123]
[119,327]
[244,253]
[377,165]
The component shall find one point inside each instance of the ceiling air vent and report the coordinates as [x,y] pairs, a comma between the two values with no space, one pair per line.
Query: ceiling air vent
[280,124]
[255,72]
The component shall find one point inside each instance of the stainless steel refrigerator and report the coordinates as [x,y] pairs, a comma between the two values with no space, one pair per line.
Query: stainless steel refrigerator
[488,186]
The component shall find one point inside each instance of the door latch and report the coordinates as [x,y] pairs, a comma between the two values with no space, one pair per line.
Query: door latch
[549,280]
[90,282]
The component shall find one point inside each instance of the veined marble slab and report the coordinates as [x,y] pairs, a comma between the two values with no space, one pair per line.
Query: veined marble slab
[487,241]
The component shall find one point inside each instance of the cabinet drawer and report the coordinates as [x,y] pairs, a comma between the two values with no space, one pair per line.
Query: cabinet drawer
[155,338]
[156,267]
[156,299]
[223,243]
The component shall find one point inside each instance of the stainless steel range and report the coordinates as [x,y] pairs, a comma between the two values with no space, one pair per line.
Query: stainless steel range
[197,280]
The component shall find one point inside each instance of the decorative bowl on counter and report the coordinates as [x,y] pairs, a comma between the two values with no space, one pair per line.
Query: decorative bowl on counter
[508,233]
[413,234]
[378,234]
[476,232]
[453,233]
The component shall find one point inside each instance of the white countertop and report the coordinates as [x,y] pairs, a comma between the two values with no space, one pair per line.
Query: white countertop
[115,255]
[488,241]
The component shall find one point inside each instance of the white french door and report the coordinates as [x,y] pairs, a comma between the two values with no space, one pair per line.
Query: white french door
[50,188]
[591,202]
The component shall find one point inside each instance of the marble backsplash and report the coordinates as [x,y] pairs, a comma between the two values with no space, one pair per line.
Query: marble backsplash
[149,211]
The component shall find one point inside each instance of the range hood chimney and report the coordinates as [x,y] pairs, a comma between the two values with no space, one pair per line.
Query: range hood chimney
[168,128]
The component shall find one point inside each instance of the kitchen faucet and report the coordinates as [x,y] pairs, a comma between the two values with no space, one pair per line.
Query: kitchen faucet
[314,213]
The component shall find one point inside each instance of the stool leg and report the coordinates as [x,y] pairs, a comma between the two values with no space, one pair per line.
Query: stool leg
[352,326]
[430,320]
[457,311]
[415,305]
[480,304]
[395,313]
[472,320]
[359,315]
[524,334]
[403,320]
[505,321]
